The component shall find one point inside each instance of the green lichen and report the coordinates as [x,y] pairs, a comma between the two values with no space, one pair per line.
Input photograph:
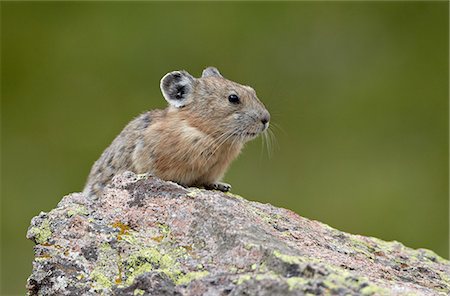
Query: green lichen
[269,218]
[129,237]
[374,246]
[362,247]
[189,277]
[257,276]
[373,290]
[152,259]
[263,267]
[235,196]
[249,246]
[340,277]
[384,244]
[145,267]
[41,233]
[193,192]
[263,215]
[164,229]
[336,277]
[296,282]
[243,278]
[101,281]
[288,258]
[156,258]
[149,259]
[432,256]
[446,279]
[106,268]
[267,276]
[77,210]
[302,260]
[287,234]
[141,176]
[330,284]
[138,292]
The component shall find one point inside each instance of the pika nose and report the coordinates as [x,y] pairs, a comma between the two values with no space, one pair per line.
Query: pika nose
[265,119]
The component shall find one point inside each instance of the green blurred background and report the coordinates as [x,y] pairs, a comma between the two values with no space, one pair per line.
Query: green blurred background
[359,90]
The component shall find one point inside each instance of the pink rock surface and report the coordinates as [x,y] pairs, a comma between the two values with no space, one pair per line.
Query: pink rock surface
[145,236]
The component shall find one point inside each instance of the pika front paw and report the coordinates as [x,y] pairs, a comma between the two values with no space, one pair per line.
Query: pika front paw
[224,187]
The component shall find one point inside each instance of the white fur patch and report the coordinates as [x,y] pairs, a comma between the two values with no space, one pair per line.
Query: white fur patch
[190,132]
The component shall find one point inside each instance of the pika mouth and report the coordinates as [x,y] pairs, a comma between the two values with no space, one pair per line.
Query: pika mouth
[251,134]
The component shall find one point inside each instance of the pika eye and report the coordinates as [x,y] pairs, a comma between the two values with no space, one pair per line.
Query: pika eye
[233,99]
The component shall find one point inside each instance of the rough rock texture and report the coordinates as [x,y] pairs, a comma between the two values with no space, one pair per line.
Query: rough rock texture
[150,237]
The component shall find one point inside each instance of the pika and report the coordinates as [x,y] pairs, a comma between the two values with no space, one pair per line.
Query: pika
[191,142]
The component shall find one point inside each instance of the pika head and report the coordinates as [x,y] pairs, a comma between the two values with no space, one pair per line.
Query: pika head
[216,105]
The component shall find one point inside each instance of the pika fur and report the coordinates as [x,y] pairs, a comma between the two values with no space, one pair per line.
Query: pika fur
[191,142]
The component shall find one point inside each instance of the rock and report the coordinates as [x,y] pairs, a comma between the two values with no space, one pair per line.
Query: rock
[145,236]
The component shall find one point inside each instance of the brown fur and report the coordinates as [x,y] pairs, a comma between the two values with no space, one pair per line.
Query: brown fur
[192,145]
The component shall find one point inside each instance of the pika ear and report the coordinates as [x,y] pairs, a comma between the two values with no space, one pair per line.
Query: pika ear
[211,71]
[176,86]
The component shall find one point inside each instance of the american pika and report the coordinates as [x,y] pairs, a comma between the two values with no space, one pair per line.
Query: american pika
[191,142]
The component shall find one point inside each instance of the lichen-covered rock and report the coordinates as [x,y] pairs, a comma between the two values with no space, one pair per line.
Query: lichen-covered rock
[145,236]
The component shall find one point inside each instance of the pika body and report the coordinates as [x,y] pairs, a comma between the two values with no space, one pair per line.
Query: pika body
[193,141]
